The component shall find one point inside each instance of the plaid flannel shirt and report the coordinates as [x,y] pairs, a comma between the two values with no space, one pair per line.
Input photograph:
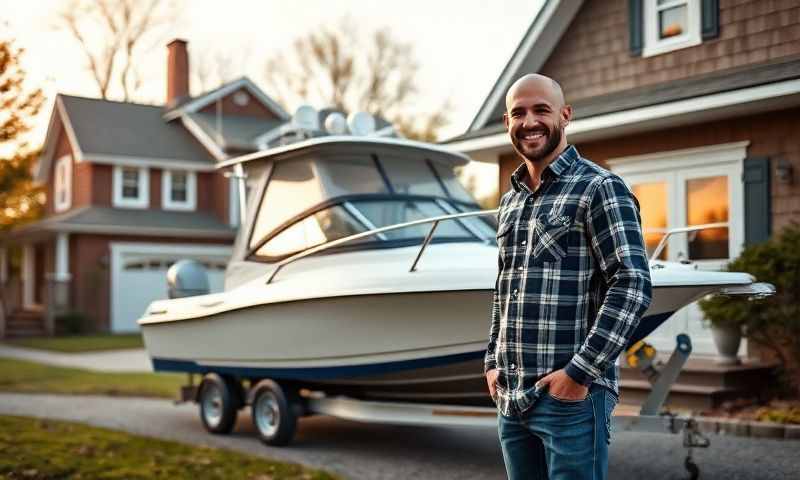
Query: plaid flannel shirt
[573,279]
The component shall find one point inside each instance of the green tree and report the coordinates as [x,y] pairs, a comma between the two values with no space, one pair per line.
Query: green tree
[344,68]
[20,200]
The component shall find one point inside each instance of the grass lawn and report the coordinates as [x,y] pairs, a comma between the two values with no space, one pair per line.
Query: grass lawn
[81,343]
[47,449]
[23,376]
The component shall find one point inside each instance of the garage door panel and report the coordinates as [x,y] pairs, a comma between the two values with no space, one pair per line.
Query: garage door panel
[141,278]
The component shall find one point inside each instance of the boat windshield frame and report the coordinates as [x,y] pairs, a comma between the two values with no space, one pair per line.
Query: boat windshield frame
[345,200]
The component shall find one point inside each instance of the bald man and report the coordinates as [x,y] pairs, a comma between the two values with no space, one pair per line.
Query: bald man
[573,282]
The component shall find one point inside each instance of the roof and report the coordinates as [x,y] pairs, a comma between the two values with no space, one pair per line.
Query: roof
[108,220]
[109,128]
[238,131]
[348,143]
[546,30]
[713,83]
[204,99]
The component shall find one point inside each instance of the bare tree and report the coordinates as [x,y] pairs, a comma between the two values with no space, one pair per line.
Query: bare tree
[343,68]
[113,50]
[211,68]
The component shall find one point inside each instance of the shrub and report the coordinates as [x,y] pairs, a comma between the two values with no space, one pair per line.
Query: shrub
[71,323]
[773,322]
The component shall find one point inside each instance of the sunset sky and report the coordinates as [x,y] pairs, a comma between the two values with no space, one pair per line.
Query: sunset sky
[461,45]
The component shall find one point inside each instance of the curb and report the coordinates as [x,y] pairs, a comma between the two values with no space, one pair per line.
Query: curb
[748,428]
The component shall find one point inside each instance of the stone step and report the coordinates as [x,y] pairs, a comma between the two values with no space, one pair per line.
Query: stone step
[692,398]
[25,323]
[702,384]
[704,372]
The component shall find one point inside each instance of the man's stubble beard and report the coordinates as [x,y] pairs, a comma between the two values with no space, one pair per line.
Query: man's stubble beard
[553,140]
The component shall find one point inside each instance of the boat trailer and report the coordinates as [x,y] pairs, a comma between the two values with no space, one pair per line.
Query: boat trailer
[276,406]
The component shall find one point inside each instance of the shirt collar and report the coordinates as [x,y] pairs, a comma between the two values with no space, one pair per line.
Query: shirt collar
[556,168]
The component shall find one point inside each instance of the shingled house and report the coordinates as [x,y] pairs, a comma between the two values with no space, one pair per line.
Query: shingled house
[130,189]
[695,103]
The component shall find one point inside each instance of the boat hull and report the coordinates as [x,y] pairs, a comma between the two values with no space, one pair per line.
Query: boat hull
[425,347]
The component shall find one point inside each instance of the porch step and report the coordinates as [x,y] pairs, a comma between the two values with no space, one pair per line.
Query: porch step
[24,323]
[702,384]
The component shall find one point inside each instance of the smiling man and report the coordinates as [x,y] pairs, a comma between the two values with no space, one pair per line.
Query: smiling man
[573,282]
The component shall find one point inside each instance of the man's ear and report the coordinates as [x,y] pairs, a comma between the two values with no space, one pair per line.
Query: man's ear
[505,120]
[566,114]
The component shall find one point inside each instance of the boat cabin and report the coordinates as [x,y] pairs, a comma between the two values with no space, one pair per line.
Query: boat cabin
[323,189]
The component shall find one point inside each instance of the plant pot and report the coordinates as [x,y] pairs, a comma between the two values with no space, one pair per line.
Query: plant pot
[727,338]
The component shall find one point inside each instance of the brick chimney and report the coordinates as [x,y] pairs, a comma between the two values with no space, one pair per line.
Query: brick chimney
[177,72]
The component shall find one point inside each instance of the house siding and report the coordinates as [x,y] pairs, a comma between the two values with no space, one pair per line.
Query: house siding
[772,135]
[593,57]
[90,266]
[254,107]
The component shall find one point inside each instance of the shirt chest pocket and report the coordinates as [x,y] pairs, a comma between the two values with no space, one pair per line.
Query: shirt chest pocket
[550,238]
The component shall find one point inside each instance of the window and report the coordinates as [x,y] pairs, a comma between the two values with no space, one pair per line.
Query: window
[178,190]
[321,227]
[131,187]
[293,188]
[63,184]
[671,25]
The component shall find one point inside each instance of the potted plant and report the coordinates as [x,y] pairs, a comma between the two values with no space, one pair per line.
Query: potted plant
[772,323]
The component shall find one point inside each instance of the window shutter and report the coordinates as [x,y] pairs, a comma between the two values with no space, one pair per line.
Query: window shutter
[636,26]
[757,212]
[710,19]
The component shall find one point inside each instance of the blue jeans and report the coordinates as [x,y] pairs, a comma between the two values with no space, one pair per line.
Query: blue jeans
[559,440]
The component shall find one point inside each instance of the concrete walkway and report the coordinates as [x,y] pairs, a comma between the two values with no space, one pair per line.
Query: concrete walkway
[130,360]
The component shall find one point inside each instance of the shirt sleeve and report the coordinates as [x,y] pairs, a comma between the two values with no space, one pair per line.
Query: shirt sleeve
[490,360]
[614,229]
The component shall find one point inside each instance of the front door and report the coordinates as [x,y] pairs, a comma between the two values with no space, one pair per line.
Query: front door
[693,188]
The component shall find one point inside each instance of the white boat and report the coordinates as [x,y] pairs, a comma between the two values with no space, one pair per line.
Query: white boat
[360,286]
[336,286]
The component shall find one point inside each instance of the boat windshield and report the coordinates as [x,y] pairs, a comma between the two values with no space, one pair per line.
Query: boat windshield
[309,202]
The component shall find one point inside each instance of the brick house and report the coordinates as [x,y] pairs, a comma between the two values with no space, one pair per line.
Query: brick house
[695,103]
[130,189]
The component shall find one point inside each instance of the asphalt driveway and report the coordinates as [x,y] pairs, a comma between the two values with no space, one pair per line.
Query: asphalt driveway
[361,451]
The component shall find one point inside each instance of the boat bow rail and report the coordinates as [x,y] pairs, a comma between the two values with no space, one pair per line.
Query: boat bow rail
[434,221]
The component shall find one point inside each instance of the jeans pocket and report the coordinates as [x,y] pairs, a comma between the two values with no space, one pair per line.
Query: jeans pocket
[610,401]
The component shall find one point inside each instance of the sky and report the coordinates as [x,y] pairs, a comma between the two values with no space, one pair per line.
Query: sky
[461,45]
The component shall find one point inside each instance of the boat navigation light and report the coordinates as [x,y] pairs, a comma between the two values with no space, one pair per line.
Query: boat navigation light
[306,117]
[361,123]
[336,124]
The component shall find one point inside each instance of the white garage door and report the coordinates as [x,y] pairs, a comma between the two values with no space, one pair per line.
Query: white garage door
[139,276]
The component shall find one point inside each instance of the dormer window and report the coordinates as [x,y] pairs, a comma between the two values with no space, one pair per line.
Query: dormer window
[661,26]
[131,187]
[670,25]
[178,190]
[62,190]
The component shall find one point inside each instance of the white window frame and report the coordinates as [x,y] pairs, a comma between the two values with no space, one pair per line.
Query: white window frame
[166,191]
[656,46]
[143,200]
[63,184]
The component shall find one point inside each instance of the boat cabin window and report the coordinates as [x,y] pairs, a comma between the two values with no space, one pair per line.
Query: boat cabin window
[382,213]
[353,175]
[293,188]
[320,227]
[311,201]
[411,176]
[451,183]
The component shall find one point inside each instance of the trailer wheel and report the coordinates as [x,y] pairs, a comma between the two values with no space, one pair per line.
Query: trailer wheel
[219,398]
[273,413]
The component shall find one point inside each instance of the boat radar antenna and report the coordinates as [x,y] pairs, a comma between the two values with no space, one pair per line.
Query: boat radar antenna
[361,123]
[336,124]
[306,118]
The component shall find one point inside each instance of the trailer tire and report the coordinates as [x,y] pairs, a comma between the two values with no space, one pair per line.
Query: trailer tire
[219,399]
[273,413]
